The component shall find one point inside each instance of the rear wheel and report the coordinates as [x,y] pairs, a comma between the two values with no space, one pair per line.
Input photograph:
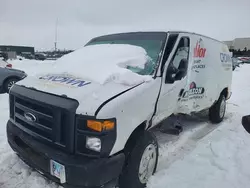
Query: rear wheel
[141,162]
[9,83]
[218,110]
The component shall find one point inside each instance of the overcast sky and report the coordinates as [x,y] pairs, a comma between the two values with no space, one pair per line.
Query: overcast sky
[32,22]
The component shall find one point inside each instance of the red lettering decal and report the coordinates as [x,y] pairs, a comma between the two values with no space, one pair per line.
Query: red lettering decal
[204,52]
[199,52]
[196,50]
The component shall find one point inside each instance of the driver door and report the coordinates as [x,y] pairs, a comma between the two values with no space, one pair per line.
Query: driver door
[174,79]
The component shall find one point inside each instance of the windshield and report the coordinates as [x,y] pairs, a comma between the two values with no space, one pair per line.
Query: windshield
[152,42]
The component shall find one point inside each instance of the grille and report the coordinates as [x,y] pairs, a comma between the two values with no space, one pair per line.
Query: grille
[48,118]
[48,121]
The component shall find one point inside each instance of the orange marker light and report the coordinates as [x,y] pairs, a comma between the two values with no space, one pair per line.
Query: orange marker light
[100,125]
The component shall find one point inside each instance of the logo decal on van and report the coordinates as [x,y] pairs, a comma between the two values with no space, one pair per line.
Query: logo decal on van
[225,55]
[67,80]
[198,65]
[226,58]
[200,50]
[194,92]
[199,54]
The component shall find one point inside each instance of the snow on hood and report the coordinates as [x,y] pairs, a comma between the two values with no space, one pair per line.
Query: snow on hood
[90,95]
[91,75]
[104,63]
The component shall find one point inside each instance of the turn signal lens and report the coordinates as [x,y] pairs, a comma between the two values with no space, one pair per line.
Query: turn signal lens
[100,125]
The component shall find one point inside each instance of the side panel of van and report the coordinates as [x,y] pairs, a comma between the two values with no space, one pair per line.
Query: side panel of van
[210,73]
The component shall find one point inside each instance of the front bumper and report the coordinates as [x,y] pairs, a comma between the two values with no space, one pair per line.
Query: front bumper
[81,171]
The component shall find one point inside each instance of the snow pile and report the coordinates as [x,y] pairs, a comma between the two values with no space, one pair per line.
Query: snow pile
[32,67]
[104,63]
[2,63]
[210,155]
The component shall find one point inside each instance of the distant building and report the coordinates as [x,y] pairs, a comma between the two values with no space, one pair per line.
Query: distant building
[17,49]
[238,43]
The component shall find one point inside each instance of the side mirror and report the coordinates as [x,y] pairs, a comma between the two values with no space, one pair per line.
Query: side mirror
[246,123]
[183,66]
[170,74]
[180,74]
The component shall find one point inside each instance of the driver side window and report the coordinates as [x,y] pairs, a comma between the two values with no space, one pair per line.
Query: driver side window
[182,52]
[178,65]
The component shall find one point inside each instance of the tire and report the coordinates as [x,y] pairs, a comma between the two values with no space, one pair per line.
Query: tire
[8,84]
[146,145]
[218,110]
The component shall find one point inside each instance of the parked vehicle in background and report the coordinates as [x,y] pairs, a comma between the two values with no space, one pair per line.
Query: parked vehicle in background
[4,63]
[1,54]
[245,59]
[235,63]
[40,56]
[8,77]
[84,127]
[27,55]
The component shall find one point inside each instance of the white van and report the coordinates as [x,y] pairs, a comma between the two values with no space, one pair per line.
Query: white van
[88,122]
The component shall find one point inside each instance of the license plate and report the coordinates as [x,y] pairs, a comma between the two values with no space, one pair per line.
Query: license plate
[58,170]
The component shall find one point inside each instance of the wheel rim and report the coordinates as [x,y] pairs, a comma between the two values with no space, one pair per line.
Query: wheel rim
[222,108]
[147,164]
[10,84]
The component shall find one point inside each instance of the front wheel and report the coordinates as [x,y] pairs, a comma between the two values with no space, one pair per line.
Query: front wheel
[9,83]
[141,162]
[218,110]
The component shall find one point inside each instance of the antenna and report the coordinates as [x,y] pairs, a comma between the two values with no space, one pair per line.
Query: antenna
[56,35]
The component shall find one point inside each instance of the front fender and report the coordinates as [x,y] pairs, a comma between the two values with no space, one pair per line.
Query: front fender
[130,110]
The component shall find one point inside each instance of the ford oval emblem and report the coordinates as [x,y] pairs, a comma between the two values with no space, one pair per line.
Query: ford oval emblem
[30,117]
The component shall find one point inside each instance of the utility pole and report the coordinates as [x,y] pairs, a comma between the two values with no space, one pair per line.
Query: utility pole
[56,35]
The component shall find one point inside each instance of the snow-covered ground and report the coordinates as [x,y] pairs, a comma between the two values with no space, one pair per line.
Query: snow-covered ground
[204,155]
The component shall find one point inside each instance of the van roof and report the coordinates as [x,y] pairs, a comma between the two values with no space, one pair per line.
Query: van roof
[179,31]
[164,31]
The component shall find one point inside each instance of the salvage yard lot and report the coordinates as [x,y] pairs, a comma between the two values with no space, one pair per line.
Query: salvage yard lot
[203,155]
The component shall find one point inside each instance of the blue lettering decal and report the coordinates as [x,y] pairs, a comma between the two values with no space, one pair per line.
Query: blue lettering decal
[60,79]
[71,81]
[54,79]
[225,58]
[81,83]
[47,77]
[66,80]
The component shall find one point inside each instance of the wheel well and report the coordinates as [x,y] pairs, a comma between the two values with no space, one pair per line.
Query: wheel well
[225,92]
[10,77]
[133,137]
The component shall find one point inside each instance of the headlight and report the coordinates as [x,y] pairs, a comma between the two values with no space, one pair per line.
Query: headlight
[93,143]
[94,137]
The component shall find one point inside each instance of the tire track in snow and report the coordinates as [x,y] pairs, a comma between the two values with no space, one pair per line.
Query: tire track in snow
[16,174]
[195,128]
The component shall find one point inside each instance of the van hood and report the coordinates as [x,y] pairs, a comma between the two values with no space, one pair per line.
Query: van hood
[90,95]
